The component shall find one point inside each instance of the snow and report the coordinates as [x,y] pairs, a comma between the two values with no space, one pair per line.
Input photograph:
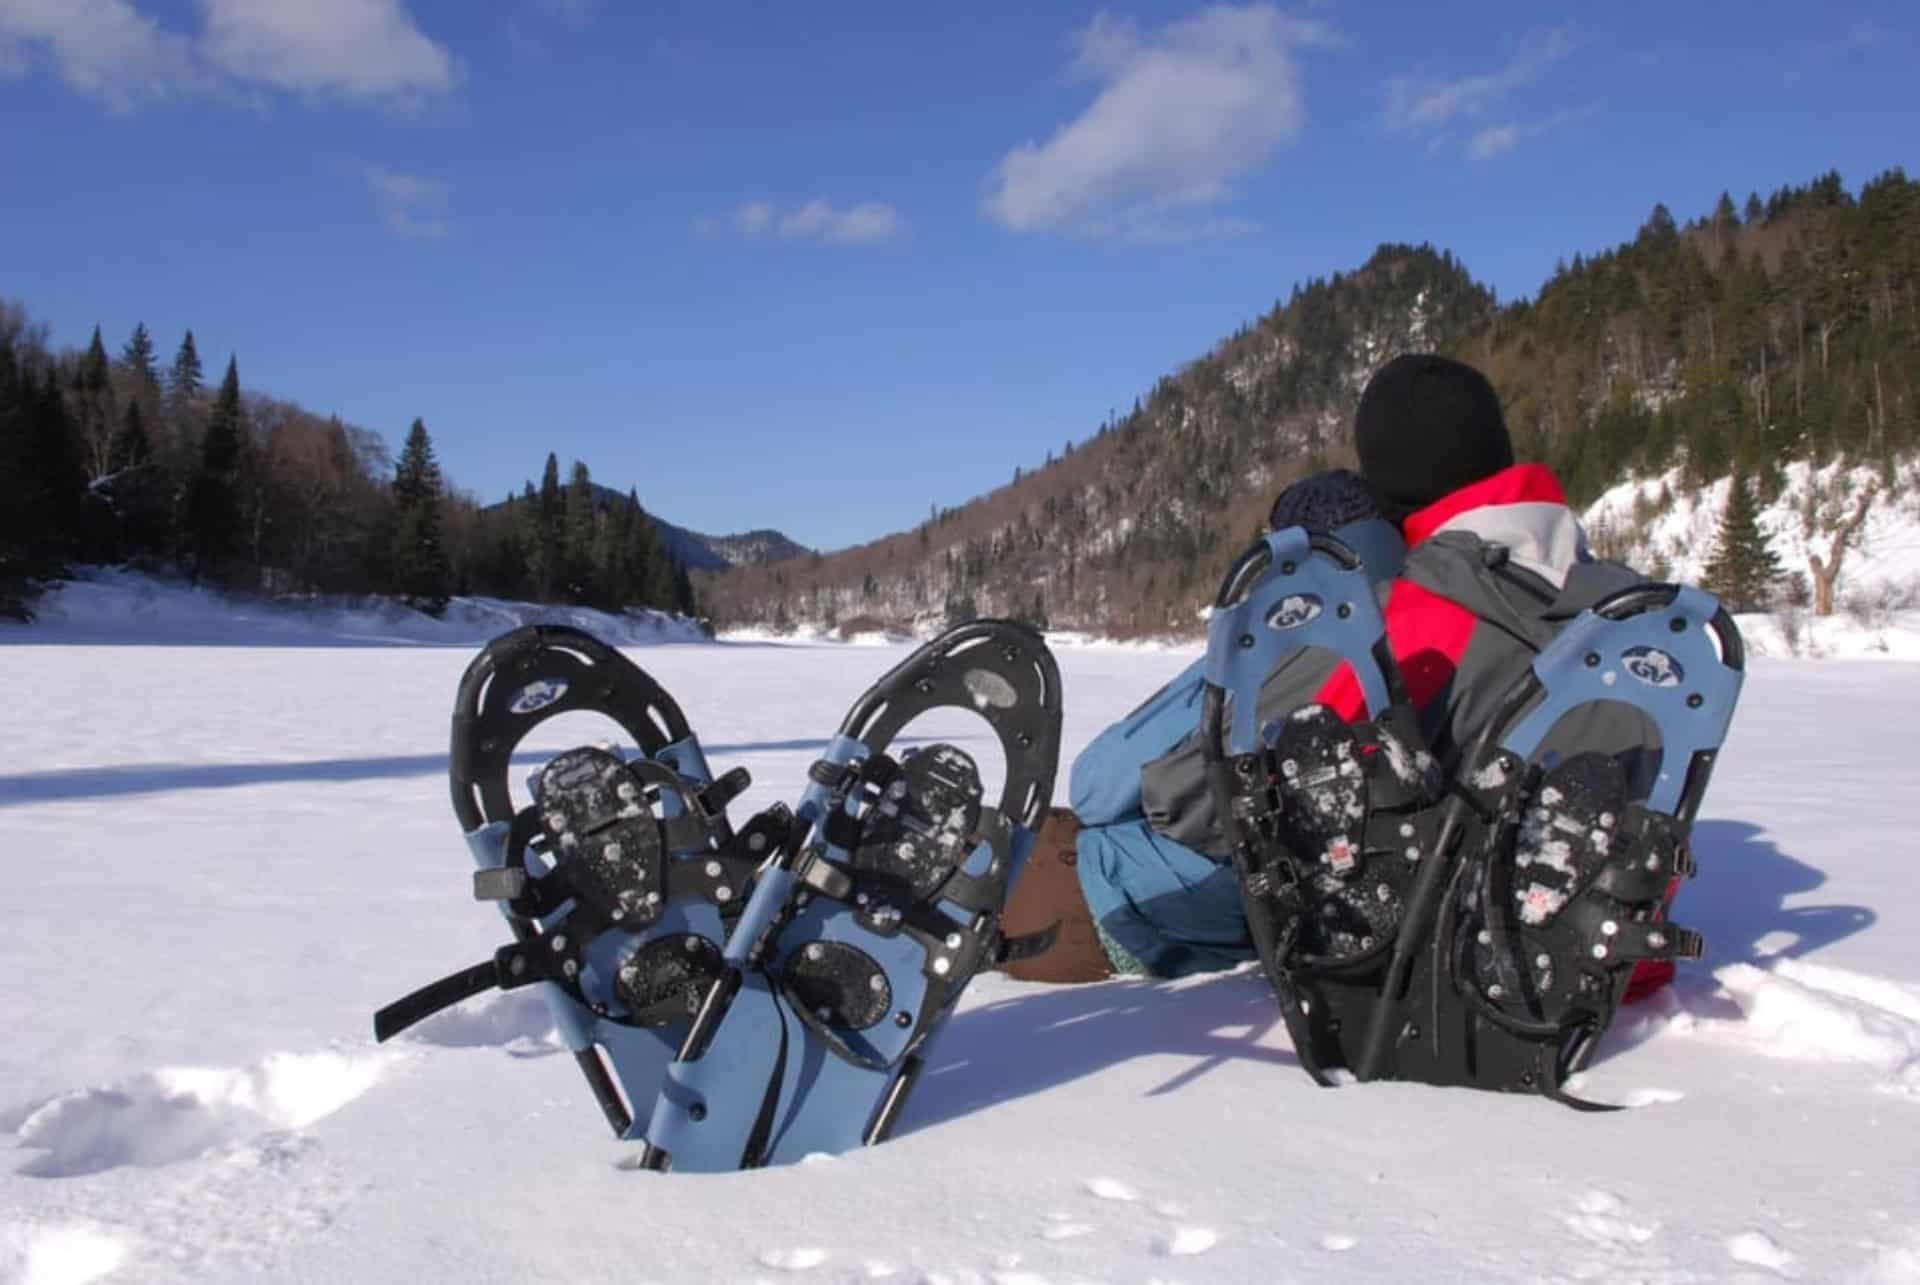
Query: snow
[1661,520]
[224,858]
[108,605]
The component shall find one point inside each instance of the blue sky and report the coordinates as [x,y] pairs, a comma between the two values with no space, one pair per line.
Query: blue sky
[819,267]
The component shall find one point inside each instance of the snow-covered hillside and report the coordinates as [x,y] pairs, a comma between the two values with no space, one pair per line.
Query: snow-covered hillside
[223,859]
[103,605]
[1660,525]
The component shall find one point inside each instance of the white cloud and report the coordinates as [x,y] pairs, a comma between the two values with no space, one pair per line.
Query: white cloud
[415,206]
[112,51]
[1181,112]
[1490,142]
[1418,104]
[1495,139]
[356,48]
[815,220]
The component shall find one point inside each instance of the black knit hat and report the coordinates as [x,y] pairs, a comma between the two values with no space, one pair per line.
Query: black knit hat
[1426,427]
[1324,502]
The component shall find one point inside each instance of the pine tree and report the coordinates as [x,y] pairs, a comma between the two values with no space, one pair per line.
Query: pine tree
[1744,571]
[183,382]
[138,357]
[549,520]
[213,495]
[421,572]
[577,536]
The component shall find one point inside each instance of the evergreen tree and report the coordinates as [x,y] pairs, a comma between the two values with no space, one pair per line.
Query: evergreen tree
[138,357]
[1744,571]
[577,536]
[421,572]
[549,521]
[183,382]
[213,496]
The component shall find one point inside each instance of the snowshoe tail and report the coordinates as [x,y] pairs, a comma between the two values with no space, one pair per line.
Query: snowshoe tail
[619,882]
[1559,875]
[876,914]
[1327,821]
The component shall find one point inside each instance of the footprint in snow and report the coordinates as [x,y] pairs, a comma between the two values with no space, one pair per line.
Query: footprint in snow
[1757,1249]
[793,1260]
[177,1113]
[1602,1220]
[1186,1241]
[1111,1189]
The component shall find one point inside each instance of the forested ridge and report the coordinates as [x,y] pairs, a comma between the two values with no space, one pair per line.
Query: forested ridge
[1779,328]
[113,459]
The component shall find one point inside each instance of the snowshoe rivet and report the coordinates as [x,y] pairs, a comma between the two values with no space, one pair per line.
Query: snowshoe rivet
[653,899]
[613,852]
[1246,641]
[1366,943]
[1678,624]
[1485,938]
[517,965]
[618,912]
[1026,741]
[903,1019]
[1527,1079]
[756,843]
[691,944]
[824,1013]
[1657,940]
[1406,829]
[1543,961]
[1592,660]
[861,899]
[571,969]
[1695,701]
[697,1112]
[924,686]
[942,966]
[876,983]
[1287,568]
[713,869]
[816,950]
[1599,952]
[723,893]
[1383,892]
[953,941]
[1344,611]
[556,820]
[559,942]
[1606,820]
[1413,854]
[1413,1031]
[1495,991]
[1610,928]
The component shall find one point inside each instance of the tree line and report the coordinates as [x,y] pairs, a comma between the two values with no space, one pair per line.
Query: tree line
[117,460]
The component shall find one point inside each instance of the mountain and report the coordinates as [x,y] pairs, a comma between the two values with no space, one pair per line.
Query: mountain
[1740,343]
[718,552]
[1125,533]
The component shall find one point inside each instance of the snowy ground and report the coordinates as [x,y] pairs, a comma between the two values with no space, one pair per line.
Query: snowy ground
[227,857]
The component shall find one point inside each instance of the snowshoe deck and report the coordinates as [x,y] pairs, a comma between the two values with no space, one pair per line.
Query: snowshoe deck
[861,935]
[619,881]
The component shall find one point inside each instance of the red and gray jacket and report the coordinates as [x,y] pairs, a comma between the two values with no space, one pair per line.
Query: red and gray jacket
[1494,571]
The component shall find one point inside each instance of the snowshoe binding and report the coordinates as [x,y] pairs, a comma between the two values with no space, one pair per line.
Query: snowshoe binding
[863,932]
[619,882]
[1473,926]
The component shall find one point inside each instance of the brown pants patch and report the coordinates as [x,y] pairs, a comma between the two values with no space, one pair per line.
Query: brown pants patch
[1048,893]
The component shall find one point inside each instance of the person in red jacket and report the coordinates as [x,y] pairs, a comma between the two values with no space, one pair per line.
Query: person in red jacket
[1497,565]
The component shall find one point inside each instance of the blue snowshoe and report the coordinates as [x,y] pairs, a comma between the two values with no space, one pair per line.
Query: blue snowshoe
[619,882]
[877,911]
[1470,923]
